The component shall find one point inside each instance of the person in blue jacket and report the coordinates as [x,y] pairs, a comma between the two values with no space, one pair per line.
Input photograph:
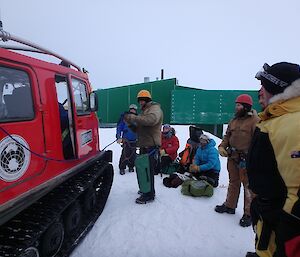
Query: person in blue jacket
[206,163]
[127,139]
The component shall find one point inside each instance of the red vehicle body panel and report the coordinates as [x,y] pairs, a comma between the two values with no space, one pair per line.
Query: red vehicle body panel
[42,133]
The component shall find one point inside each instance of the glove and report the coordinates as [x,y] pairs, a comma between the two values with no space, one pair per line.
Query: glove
[120,141]
[222,151]
[162,152]
[194,168]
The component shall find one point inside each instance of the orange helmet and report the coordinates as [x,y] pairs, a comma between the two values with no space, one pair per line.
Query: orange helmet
[144,93]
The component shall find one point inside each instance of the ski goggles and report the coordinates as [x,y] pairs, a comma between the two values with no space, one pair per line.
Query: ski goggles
[264,74]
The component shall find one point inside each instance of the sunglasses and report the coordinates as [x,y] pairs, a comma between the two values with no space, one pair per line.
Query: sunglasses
[264,74]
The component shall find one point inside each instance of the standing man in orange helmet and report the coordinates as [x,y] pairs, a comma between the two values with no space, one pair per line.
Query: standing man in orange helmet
[235,145]
[148,128]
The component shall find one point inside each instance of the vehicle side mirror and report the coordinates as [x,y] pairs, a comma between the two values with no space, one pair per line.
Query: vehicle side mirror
[93,101]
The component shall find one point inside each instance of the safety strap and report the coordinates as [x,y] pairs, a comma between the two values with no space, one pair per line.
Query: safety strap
[64,134]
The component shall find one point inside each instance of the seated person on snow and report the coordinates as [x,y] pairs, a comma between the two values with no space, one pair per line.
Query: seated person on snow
[206,162]
[188,154]
[169,146]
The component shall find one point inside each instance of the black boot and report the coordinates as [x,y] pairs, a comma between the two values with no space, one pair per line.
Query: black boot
[144,198]
[131,169]
[245,221]
[122,171]
[223,208]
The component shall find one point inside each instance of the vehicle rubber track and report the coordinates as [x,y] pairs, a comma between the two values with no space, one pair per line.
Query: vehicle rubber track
[27,228]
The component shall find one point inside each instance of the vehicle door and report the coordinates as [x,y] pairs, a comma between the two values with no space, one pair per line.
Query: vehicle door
[83,118]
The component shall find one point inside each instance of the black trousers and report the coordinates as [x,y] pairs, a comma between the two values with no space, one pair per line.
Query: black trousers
[165,161]
[128,155]
[212,174]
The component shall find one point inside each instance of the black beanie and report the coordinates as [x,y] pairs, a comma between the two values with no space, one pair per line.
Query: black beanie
[287,72]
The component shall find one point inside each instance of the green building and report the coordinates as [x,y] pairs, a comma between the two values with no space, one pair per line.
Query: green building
[208,109]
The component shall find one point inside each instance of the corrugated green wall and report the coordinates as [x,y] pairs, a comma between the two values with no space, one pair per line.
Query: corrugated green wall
[194,106]
[113,101]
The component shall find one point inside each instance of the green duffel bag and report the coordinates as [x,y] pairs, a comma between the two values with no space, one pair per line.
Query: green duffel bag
[197,188]
[142,167]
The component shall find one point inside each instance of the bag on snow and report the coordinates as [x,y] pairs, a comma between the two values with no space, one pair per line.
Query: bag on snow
[142,166]
[176,179]
[172,181]
[197,188]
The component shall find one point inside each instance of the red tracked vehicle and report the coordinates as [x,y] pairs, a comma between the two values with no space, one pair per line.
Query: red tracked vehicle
[54,180]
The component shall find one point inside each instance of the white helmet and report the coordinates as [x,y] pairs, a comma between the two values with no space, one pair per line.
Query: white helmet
[133,106]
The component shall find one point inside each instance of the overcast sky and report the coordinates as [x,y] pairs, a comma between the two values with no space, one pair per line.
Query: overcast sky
[215,44]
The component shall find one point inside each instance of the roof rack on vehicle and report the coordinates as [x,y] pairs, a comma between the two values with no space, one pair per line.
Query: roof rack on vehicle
[6,36]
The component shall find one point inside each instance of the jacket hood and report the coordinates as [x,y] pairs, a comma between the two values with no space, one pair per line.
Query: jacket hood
[147,105]
[211,143]
[290,92]
[285,102]
[280,108]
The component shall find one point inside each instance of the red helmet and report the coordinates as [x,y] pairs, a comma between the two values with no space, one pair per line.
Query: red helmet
[244,99]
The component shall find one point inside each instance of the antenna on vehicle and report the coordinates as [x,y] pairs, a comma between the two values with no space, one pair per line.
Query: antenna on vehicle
[1,27]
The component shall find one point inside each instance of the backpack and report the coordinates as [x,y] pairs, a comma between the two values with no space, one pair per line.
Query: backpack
[172,181]
[197,188]
[195,133]
[187,155]
[175,180]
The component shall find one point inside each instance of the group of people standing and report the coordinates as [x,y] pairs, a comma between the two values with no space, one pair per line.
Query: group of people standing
[262,150]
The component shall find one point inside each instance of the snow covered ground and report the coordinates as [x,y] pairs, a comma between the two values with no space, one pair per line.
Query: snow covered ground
[173,225]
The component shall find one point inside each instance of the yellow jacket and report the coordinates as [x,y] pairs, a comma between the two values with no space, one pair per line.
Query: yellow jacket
[275,148]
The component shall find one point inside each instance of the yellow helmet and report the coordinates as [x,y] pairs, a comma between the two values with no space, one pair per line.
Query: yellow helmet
[144,93]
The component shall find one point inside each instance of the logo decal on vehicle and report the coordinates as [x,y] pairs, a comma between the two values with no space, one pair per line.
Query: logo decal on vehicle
[14,158]
[86,137]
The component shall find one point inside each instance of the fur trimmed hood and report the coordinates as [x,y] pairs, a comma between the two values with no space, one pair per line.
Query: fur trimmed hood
[290,92]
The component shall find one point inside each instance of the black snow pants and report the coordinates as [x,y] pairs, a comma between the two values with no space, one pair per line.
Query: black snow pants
[128,155]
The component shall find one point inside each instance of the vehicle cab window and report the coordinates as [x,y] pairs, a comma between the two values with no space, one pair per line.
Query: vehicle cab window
[15,92]
[80,97]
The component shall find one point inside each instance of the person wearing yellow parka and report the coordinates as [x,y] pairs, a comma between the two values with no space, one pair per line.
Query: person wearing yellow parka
[273,163]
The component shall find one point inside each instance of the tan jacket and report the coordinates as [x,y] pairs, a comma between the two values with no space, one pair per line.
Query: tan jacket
[148,125]
[240,131]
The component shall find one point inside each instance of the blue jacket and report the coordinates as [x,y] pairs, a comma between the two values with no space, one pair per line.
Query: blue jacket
[208,157]
[123,131]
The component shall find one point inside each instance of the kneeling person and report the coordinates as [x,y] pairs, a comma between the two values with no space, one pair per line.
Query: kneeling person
[206,162]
